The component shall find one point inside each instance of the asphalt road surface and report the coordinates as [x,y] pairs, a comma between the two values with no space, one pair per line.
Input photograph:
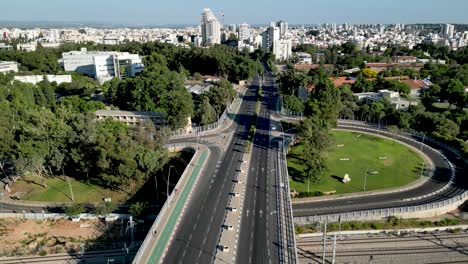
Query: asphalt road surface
[197,236]
[258,238]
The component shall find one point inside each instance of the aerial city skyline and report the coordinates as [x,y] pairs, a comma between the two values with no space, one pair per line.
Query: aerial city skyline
[269,132]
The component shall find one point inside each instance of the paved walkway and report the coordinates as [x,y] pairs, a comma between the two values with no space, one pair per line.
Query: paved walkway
[153,251]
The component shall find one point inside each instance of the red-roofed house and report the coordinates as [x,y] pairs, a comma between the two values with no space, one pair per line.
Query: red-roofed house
[338,81]
[308,67]
[417,86]
[382,66]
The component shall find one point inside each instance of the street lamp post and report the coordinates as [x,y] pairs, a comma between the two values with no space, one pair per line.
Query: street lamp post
[106,200]
[422,142]
[168,183]
[365,178]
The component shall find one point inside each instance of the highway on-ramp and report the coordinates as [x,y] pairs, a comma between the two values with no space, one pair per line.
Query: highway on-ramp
[440,178]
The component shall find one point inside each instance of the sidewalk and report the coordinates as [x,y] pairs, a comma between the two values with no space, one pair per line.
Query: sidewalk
[161,233]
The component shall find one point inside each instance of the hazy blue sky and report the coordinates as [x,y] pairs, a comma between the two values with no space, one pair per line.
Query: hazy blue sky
[236,11]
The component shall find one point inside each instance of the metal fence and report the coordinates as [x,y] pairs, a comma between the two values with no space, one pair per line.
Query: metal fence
[287,112]
[286,209]
[165,210]
[201,130]
[428,209]
[43,216]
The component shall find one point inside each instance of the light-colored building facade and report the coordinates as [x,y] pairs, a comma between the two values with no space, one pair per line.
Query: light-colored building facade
[102,66]
[8,66]
[244,32]
[448,30]
[34,79]
[275,39]
[210,28]
[304,58]
[132,117]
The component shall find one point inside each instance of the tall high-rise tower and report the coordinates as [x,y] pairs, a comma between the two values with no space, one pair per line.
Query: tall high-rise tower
[448,30]
[210,28]
[283,27]
[244,32]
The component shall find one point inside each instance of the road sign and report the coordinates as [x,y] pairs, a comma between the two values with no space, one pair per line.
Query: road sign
[107,200]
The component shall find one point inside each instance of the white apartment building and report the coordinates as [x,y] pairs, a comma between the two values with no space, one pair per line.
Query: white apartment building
[210,28]
[283,27]
[448,30]
[244,32]
[102,66]
[8,66]
[304,58]
[34,79]
[271,35]
[272,40]
[282,49]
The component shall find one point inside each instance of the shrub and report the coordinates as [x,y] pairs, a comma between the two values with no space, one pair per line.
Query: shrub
[74,210]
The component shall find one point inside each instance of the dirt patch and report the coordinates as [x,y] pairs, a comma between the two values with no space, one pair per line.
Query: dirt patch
[388,162]
[27,237]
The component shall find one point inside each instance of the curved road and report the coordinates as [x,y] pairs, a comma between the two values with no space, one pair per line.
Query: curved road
[440,178]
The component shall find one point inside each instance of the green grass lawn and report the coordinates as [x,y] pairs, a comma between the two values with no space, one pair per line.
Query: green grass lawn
[401,167]
[58,189]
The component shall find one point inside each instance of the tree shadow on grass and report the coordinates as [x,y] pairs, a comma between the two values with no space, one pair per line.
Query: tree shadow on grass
[338,178]
[296,175]
[298,157]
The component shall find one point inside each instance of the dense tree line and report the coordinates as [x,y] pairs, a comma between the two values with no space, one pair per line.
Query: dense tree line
[321,111]
[156,89]
[219,60]
[210,105]
[43,136]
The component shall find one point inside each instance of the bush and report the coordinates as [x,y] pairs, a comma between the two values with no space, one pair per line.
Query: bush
[138,209]
[42,253]
[311,194]
[74,210]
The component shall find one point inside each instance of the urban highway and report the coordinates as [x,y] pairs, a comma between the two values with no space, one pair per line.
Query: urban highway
[258,239]
[195,240]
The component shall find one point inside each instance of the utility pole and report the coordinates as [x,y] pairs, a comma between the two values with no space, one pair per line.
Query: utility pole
[422,141]
[334,240]
[197,137]
[71,190]
[324,242]
[365,179]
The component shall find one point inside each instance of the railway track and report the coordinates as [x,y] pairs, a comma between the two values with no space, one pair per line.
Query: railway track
[349,241]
